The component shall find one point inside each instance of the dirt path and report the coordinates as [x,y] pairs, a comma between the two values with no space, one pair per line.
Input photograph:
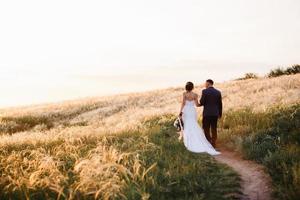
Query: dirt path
[256,184]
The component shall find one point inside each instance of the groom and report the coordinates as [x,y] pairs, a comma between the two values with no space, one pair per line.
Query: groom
[211,100]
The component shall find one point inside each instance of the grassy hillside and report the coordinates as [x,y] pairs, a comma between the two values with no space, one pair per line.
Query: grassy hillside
[125,146]
[271,138]
[137,164]
[123,112]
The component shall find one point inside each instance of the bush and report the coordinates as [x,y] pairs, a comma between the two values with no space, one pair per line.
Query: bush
[295,69]
[276,72]
[248,76]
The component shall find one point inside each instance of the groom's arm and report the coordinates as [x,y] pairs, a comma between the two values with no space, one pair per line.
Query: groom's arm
[220,106]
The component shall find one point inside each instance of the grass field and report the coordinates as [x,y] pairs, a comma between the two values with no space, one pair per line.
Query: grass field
[124,147]
[137,164]
[271,138]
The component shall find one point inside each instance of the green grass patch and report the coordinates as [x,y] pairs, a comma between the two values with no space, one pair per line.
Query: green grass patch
[271,138]
[14,124]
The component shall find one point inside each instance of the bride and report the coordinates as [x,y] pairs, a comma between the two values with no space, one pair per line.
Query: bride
[193,135]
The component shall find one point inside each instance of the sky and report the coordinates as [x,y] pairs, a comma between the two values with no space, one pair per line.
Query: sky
[66,49]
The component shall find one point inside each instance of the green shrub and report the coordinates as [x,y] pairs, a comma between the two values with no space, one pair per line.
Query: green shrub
[276,72]
[295,69]
[248,76]
[17,124]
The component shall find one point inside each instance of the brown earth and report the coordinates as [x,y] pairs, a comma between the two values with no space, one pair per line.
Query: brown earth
[256,184]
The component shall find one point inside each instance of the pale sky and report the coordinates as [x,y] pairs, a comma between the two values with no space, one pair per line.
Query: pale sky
[57,50]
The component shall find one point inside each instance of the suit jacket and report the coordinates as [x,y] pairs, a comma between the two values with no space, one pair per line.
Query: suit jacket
[211,99]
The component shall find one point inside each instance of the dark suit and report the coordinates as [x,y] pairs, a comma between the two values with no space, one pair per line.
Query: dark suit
[211,99]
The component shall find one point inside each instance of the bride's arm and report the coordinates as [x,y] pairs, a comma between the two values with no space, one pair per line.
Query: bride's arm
[196,101]
[182,104]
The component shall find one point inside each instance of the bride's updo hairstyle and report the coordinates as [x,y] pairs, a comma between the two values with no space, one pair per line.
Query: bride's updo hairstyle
[189,86]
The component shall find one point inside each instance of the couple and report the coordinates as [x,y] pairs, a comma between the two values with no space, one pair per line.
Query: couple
[194,138]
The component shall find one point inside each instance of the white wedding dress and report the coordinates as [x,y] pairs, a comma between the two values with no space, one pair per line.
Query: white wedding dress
[193,135]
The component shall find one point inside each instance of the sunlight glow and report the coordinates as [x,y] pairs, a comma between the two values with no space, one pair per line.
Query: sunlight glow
[64,49]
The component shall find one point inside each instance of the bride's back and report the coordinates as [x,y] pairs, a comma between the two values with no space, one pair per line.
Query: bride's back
[190,96]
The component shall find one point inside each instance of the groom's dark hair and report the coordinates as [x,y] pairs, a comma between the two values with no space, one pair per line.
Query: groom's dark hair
[189,86]
[210,81]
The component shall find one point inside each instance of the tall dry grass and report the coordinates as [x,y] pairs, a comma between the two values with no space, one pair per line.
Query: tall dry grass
[122,112]
[65,151]
[139,164]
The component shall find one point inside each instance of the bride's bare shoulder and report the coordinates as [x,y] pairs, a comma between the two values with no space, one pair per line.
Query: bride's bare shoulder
[195,94]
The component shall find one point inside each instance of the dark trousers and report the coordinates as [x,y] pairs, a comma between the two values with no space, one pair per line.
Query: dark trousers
[210,123]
